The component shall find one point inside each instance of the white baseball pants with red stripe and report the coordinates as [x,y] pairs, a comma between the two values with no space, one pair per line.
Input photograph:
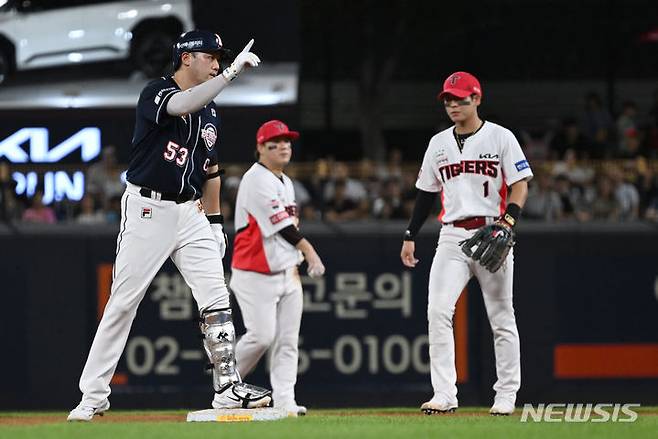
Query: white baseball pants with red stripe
[451,270]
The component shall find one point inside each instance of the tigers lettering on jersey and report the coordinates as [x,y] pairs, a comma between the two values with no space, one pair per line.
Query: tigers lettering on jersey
[473,180]
[482,167]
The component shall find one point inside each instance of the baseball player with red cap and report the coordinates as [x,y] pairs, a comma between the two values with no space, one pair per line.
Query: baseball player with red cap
[482,174]
[267,249]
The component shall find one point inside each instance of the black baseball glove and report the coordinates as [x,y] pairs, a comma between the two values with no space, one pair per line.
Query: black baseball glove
[493,242]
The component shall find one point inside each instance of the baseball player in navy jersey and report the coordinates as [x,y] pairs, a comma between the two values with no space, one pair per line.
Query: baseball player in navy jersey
[480,171]
[170,209]
[268,247]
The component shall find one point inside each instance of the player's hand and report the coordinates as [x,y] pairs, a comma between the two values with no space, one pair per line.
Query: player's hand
[220,237]
[407,254]
[315,267]
[243,60]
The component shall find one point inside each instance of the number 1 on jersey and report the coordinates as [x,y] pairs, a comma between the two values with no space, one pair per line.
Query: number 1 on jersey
[486,188]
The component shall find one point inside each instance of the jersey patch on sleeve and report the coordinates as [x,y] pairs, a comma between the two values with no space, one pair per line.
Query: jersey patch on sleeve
[278,217]
[520,166]
[160,94]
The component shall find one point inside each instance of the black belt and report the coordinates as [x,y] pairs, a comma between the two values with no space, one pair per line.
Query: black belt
[166,196]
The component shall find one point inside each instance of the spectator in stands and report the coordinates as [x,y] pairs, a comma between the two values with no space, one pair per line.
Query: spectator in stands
[543,201]
[652,210]
[604,205]
[229,189]
[9,206]
[646,184]
[367,175]
[629,144]
[104,178]
[627,123]
[38,212]
[535,143]
[302,196]
[628,198]
[393,166]
[65,209]
[340,207]
[390,205]
[569,197]
[354,189]
[316,183]
[409,196]
[569,138]
[597,126]
[113,211]
[88,214]
[578,174]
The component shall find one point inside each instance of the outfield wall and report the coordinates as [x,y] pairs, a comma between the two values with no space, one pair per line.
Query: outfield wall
[586,300]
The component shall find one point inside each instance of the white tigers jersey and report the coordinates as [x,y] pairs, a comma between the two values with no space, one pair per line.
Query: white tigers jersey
[264,206]
[473,181]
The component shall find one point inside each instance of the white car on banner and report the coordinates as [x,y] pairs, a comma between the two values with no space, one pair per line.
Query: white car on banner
[49,33]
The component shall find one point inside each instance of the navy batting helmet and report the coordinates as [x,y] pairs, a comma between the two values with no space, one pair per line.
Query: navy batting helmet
[197,41]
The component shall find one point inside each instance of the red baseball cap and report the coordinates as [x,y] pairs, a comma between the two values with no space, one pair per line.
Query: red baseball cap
[272,129]
[461,84]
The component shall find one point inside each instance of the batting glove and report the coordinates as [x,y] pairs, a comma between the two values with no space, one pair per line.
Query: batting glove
[244,59]
[216,222]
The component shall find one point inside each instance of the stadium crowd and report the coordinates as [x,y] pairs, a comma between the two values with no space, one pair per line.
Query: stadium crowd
[589,168]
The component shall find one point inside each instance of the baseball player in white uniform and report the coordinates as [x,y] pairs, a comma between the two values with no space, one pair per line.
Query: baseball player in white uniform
[267,249]
[480,171]
[173,167]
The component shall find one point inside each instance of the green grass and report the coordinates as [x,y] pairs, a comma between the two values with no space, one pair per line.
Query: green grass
[343,424]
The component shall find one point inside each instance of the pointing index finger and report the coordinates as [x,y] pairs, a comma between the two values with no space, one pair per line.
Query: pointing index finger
[247,48]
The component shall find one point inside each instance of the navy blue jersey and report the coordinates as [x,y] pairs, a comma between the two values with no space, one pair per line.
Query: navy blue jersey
[171,153]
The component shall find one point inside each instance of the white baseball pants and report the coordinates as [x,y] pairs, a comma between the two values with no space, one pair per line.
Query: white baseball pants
[271,307]
[451,270]
[150,232]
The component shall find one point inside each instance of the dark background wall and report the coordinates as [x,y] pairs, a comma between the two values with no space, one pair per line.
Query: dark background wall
[508,39]
[569,289]
[275,26]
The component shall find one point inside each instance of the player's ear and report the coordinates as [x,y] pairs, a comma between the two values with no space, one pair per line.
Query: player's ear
[186,58]
[477,99]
